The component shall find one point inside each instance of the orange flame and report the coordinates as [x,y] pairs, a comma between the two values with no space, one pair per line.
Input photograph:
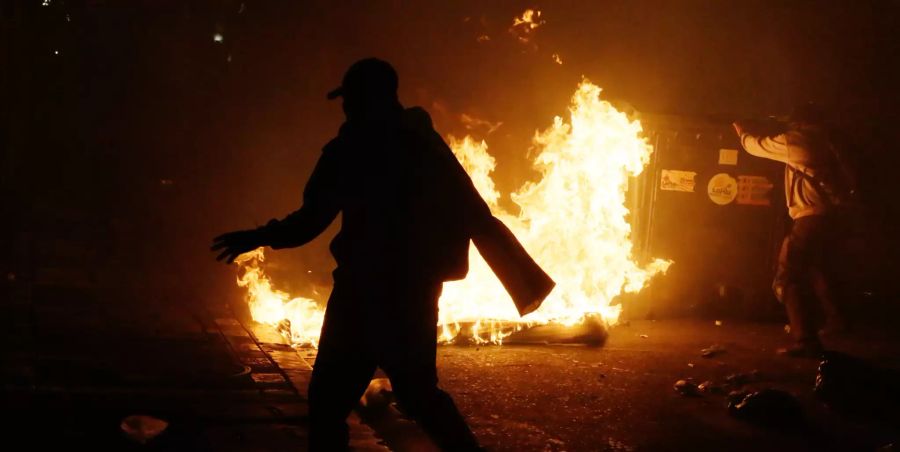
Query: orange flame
[299,319]
[525,25]
[573,221]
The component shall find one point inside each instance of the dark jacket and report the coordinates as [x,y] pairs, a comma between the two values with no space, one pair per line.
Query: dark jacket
[409,210]
[407,204]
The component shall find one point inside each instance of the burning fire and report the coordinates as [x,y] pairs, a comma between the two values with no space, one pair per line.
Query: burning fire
[299,319]
[573,221]
[524,26]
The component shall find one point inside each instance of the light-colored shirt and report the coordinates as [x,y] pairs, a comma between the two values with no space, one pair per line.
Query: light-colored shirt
[802,151]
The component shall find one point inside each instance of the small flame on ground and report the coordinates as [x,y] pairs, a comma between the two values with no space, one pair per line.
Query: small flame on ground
[573,221]
[298,319]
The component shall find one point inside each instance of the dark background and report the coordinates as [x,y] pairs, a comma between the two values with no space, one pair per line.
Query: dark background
[130,136]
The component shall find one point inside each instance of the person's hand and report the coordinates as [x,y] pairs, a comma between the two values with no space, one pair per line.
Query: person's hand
[233,244]
[738,128]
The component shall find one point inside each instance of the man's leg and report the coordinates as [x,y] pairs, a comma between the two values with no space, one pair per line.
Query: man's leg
[341,373]
[409,362]
[793,286]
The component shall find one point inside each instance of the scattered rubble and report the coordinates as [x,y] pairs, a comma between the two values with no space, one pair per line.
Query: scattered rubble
[687,388]
[741,379]
[771,408]
[710,387]
[735,397]
[855,386]
[712,350]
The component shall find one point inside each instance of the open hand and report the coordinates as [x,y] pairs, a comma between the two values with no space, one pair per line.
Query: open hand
[233,244]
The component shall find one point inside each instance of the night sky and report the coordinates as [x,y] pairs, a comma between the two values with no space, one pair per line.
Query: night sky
[165,123]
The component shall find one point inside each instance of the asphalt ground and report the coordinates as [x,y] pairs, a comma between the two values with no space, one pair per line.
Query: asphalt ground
[70,377]
[620,396]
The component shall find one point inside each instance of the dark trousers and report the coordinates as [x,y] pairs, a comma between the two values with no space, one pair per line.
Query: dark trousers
[805,275]
[371,324]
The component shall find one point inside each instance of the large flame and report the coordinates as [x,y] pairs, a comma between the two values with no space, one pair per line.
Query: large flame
[573,221]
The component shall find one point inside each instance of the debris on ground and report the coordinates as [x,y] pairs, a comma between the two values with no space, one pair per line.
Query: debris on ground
[141,428]
[556,442]
[740,379]
[712,350]
[686,388]
[735,397]
[710,387]
[591,330]
[644,336]
[771,408]
[854,386]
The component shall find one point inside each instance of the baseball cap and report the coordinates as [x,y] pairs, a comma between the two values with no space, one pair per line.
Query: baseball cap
[366,77]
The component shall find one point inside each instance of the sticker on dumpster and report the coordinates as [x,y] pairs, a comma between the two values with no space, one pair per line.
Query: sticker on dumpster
[675,180]
[754,191]
[728,156]
[722,189]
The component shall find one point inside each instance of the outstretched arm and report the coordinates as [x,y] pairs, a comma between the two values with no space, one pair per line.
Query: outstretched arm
[320,207]
[769,147]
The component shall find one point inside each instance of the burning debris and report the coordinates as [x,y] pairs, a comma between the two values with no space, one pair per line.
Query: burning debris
[524,26]
[590,331]
[585,164]
[573,221]
[299,319]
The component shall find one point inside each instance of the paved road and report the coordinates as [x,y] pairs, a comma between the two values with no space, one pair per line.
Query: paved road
[621,397]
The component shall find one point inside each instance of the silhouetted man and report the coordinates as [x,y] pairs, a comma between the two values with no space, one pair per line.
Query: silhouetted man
[409,211]
[813,197]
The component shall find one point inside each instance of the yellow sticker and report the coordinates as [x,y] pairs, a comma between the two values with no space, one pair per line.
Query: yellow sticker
[722,189]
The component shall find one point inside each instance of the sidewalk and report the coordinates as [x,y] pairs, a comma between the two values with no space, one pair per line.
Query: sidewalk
[72,370]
